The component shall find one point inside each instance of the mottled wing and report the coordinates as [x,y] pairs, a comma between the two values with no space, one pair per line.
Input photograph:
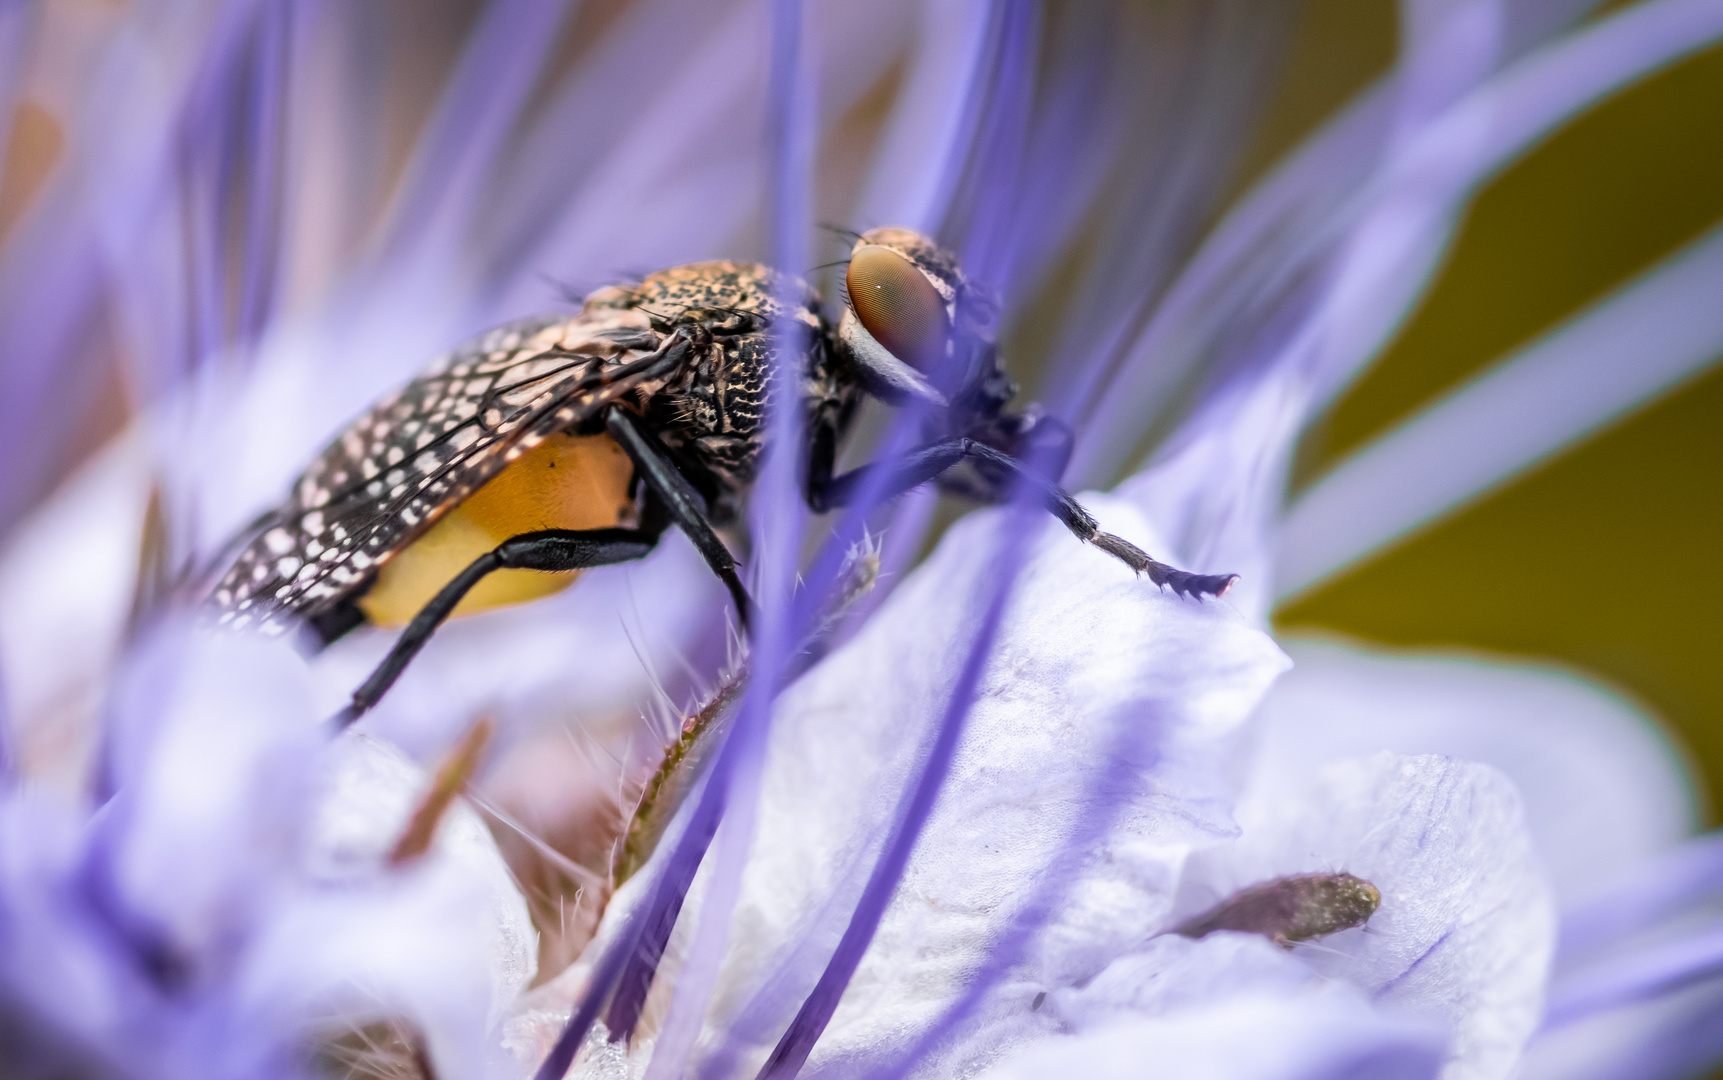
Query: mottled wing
[401,466]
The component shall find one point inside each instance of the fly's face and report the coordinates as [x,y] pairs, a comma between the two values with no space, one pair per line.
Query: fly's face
[915,326]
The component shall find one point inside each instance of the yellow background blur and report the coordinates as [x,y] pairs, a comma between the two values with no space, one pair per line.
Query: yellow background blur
[1604,559]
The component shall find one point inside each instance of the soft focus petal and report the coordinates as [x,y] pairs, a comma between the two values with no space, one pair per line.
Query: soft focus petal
[1287,328]
[1542,399]
[1668,1038]
[233,892]
[1603,790]
[212,753]
[1639,975]
[67,576]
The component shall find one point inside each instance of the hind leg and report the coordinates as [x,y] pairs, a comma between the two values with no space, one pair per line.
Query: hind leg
[551,550]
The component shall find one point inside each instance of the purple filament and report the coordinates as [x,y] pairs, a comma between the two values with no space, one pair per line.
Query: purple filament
[263,225]
[633,961]
[816,1012]
[647,930]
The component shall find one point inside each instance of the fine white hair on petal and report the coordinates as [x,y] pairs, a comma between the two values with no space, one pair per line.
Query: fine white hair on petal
[1321,1035]
[1095,751]
[1602,787]
[1466,927]
[416,949]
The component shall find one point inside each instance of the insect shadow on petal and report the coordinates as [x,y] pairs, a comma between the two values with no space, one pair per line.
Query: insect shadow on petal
[555,444]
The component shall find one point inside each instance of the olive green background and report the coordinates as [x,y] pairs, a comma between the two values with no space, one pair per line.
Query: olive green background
[1604,559]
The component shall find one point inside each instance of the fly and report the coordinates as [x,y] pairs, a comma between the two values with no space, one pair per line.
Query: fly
[555,444]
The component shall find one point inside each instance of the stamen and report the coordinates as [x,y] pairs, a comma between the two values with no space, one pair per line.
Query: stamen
[452,776]
[1291,909]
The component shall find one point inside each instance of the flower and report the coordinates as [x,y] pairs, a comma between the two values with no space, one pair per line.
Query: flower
[968,839]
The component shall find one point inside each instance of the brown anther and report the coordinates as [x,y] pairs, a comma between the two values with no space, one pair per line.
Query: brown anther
[1291,909]
[452,776]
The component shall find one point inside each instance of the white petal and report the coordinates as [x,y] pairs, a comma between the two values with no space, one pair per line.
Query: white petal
[445,943]
[67,574]
[1466,926]
[1251,1036]
[1096,749]
[1171,973]
[1602,787]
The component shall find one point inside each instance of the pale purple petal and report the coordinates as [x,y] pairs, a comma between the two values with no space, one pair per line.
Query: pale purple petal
[1645,974]
[364,799]
[1170,973]
[231,894]
[682,181]
[910,181]
[1322,1034]
[448,944]
[1640,342]
[1603,789]
[455,158]
[1676,1037]
[1683,877]
[210,744]
[1466,926]
[66,580]
[1639,977]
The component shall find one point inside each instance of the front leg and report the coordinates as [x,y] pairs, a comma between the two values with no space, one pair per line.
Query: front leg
[926,463]
[551,550]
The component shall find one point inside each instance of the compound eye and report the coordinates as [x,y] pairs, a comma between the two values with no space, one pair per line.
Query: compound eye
[897,305]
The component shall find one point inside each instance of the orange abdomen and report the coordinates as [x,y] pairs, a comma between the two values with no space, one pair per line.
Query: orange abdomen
[566,482]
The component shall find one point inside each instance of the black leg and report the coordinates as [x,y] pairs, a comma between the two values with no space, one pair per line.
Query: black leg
[552,550]
[925,463]
[682,502]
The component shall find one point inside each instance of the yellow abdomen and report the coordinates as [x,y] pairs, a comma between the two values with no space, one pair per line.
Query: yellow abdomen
[565,482]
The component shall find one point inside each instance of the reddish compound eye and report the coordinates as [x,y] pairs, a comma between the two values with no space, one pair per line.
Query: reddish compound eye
[898,305]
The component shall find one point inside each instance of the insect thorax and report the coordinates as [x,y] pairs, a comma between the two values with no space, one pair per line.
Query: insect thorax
[711,412]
